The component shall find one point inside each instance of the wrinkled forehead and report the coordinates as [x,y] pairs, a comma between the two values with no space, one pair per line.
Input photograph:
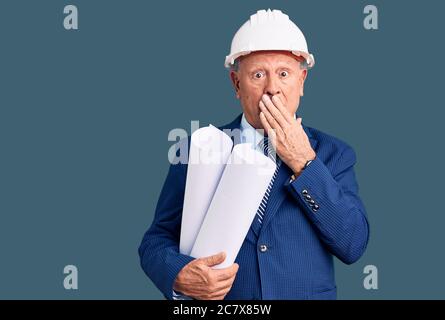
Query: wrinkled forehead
[271,57]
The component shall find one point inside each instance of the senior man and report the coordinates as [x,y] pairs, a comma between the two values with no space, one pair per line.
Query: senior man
[312,210]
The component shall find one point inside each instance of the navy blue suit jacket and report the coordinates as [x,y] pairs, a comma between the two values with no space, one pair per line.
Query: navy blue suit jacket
[307,222]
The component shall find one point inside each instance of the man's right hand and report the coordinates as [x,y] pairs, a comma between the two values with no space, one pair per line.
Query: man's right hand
[199,281]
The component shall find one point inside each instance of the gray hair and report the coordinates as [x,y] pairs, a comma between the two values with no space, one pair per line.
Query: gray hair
[235,65]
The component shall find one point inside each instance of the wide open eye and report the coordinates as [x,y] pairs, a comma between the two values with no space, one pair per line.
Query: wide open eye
[284,74]
[258,75]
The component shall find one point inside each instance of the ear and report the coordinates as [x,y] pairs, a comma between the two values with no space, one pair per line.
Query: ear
[301,79]
[235,82]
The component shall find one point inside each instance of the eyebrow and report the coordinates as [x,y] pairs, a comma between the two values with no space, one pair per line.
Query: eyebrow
[281,64]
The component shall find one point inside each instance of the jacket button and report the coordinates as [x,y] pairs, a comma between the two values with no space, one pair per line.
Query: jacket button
[263,248]
[304,192]
[311,201]
[315,207]
[308,197]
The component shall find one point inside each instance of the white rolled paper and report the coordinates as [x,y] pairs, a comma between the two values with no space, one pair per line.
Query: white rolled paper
[234,205]
[210,149]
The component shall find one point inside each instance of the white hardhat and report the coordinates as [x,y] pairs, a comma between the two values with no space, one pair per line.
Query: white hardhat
[269,30]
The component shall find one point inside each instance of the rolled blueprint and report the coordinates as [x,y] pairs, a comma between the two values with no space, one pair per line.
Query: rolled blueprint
[234,205]
[210,149]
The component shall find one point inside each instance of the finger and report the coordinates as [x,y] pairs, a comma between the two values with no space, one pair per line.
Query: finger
[222,292]
[226,273]
[270,119]
[265,123]
[271,132]
[214,295]
[274,111]
[220,297]
[224,285]
[219,289]
[214,260]
[282,108]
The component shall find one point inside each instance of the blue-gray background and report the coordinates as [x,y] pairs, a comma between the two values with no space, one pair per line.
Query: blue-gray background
[84,118]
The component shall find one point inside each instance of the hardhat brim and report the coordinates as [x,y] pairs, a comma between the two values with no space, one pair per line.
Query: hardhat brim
[309,58]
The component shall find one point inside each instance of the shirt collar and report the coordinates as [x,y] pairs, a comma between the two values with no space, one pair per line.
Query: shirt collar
[249,134]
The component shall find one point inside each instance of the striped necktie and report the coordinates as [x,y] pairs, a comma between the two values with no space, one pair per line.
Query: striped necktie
[268,152]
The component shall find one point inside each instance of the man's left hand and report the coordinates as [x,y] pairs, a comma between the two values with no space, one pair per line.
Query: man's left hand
[286,133]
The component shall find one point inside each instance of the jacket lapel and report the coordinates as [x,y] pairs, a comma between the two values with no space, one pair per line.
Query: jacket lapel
[278,192]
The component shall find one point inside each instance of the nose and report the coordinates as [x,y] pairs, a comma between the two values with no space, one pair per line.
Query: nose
[272,87]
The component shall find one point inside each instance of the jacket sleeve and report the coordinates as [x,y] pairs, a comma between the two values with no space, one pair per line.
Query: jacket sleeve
[331,202]
[159,251]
